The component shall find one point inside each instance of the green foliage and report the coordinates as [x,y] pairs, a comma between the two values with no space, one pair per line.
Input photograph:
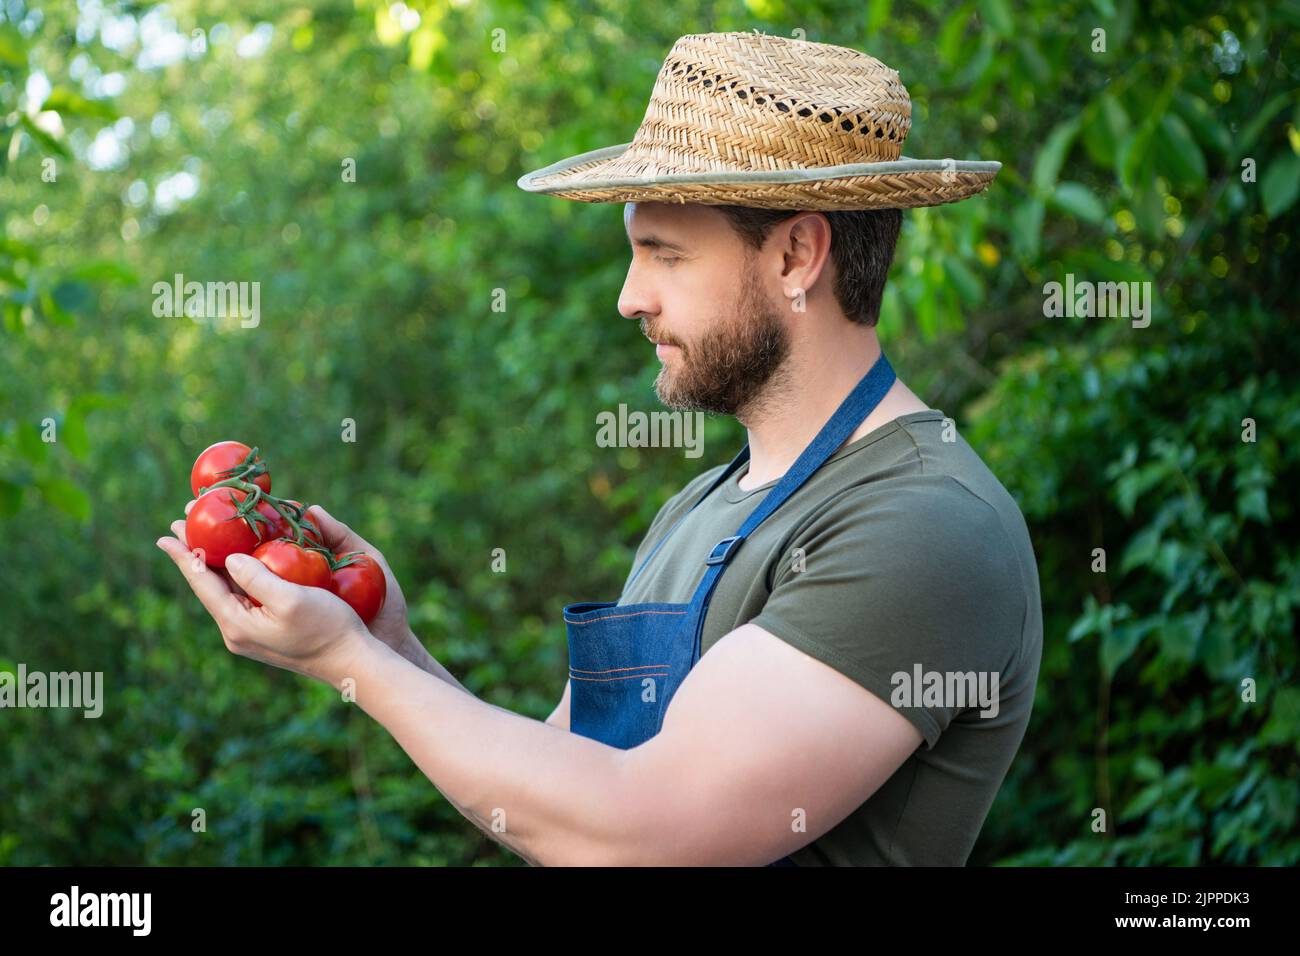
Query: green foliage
[475,427]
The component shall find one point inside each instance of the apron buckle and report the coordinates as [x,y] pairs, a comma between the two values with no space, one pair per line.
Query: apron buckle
[723,550]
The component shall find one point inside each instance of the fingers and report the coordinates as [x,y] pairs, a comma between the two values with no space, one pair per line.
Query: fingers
[178,529]
[260,582]
[190,505]
[208,587]
[338,536]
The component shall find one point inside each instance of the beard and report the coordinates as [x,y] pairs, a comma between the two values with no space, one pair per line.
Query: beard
[735,367]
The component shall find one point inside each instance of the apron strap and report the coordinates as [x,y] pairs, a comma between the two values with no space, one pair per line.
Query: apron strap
[859,403]
[727,472]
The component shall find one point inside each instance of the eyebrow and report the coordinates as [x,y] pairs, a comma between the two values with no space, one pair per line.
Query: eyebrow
[656,242]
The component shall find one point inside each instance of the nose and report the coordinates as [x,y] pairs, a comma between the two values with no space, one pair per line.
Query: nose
[637,299]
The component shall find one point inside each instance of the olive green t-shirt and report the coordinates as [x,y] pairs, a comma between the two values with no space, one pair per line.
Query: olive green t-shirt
[904,564]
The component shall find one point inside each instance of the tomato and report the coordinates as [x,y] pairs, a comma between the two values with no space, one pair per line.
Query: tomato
[216,459]
[214,525]
[362,584]
[294,564]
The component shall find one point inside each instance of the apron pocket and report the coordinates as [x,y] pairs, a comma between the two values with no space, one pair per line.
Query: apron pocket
[624,664]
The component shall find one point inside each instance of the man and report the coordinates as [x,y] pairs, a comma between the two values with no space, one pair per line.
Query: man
[827,650]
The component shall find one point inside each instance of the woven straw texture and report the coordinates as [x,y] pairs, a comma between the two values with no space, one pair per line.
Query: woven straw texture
[738,107]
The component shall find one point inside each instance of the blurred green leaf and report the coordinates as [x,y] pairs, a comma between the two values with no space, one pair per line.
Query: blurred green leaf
[17,250]
[997,15]
[1280,184]
[66,496]
[1259,121]
[1134,159]
[29,442]
[1047,164]
[1118,645]
[104,271]
[1210,132]
[1027,225]
[1178,152]
[44,139]
[63,99]
[967,283]
[1079,201]
[13,51]
[11,497]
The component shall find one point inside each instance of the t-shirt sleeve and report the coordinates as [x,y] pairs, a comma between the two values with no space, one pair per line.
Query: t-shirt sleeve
[889,589]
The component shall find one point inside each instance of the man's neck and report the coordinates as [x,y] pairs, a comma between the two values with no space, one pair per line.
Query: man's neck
[821,377]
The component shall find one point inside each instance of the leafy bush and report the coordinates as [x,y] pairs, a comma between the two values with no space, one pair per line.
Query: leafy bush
[475,426]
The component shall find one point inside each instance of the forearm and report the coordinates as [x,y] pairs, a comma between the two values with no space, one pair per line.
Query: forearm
[551,796]
[413,650]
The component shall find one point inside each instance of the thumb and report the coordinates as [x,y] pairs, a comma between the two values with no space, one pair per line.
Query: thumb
[258,581]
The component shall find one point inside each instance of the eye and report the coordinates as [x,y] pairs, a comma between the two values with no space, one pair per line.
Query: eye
[668,260]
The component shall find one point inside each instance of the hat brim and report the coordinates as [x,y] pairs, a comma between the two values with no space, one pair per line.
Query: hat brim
[903,183]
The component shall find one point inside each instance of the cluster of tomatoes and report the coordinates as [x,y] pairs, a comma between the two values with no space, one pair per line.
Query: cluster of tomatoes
[235,513]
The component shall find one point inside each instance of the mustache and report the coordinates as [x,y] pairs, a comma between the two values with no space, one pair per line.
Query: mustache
[657,336]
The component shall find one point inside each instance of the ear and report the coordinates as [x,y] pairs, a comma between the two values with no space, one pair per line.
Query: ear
[806,241]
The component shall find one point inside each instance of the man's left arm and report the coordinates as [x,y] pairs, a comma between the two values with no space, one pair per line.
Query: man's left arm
[760,736]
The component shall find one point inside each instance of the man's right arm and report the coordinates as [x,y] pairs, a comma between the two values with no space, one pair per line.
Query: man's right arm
[414,651]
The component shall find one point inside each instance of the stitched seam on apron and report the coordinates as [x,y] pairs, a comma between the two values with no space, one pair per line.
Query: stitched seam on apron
[569,620]
[602,680]
[612,670]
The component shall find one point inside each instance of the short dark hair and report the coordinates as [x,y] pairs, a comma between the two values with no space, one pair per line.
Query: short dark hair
[862,247]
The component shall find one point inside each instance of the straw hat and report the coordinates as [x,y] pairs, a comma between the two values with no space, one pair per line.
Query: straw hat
[756,120]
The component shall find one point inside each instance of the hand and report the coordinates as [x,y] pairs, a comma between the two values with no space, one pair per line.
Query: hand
[310,631]
[390,624]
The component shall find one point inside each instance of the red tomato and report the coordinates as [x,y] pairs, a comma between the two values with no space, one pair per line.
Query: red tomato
[362,584]
[294,564]
[216,459]
[214,526]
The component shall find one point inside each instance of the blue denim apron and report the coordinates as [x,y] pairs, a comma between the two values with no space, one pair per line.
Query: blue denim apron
[627,661]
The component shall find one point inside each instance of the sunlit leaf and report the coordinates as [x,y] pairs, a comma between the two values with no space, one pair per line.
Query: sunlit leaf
[13,51]
[47,142]
[1280,184]
[64,99]
[104,270]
